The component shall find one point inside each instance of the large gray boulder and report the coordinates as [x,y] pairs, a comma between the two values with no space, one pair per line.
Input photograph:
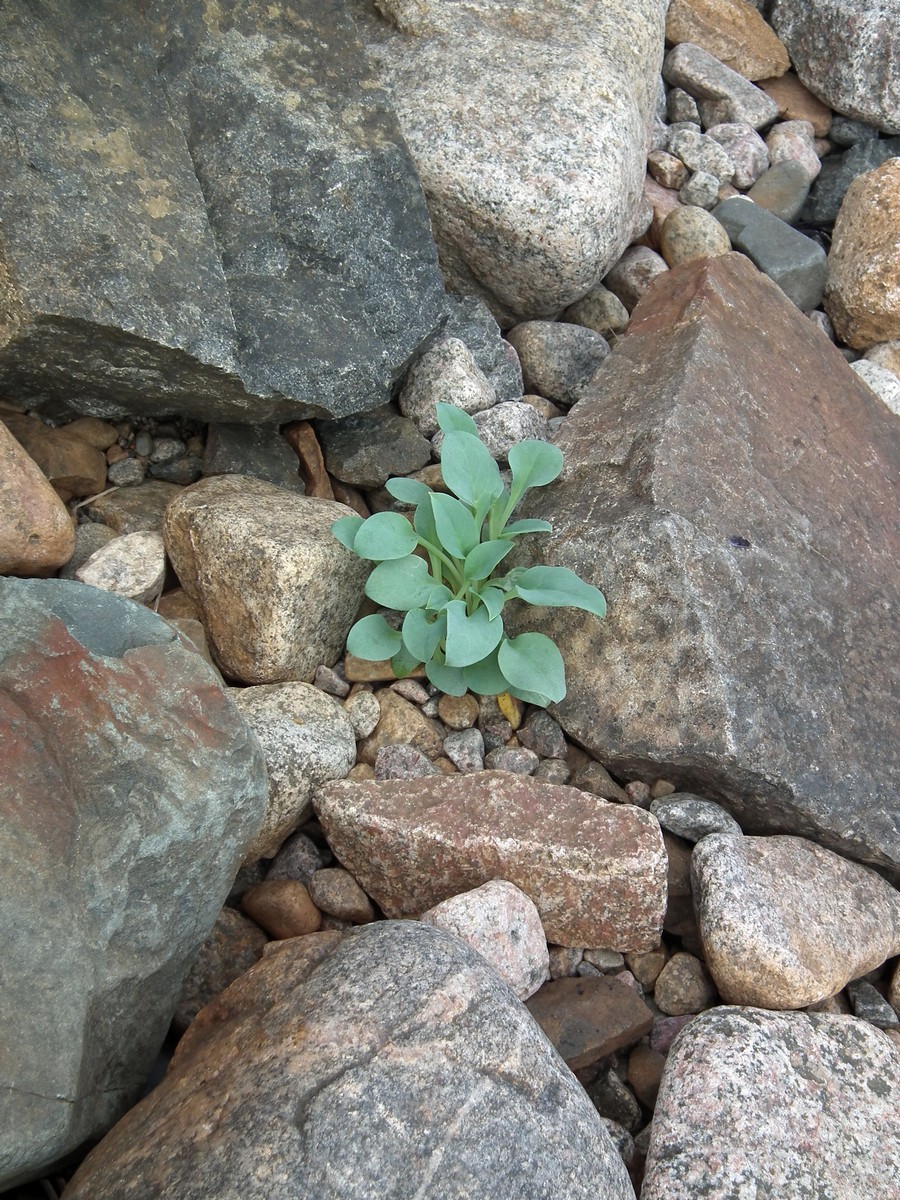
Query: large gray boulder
[529,124]
[214,215]
[727,483]
[131,788]
[398,1065]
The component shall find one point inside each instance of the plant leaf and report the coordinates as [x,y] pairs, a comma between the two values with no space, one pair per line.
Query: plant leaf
[456,529]
[386,535]
[493,600]
[438,597]
[529,525]
[533,464]
[409,491]
[401,583]
[470,638]
[421,636]
[468,469]
[558,587]
[345,530]
[485,677]
[481,561]
[448,679]
[423,522]
[403,663]
[533,663]
[452,419]
[373,639]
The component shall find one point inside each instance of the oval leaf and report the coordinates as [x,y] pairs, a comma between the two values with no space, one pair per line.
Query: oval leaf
[558,587]
[386,535]
[447,679]
[373,639]
[346,529]
[470,639]
[450,418]
[481,561]
[421,636]
[533,464]
[456,529]
[493,600]
[468,469]
[533,663]
[485,677]
[401,583]
[528,525]
[423,523]
[409,491]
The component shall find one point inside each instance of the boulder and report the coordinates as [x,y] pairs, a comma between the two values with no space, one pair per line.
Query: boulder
[792,1105]
[532,172]
[215,217]
[37,534]
[277,592]
[595,870]
[397,1065]
[846,53]
[734,505]
[131,790]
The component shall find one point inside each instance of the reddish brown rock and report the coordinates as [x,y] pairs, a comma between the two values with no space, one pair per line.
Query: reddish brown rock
[36,532]
[305,444]
[73,465]
[596,871]
[232,948]
[733,31]
[727,484]
[283,907]
[796,103]
[587,1019]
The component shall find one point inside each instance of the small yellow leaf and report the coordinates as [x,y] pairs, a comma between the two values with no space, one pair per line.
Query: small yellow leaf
[512,708]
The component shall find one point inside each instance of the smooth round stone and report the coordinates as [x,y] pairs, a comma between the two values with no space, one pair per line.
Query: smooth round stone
[127,472]
[516,759]
[683,986]
[692,817]
[782,190]
[334,891]
[283,907]
[690,233]
[458,712]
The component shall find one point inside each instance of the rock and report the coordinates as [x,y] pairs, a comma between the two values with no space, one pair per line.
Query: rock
[364,712]
[402,761]
[702,190]
[128,241]
[700,152]
[786,923]
[532,177]
[797,103]
[884,383]
[255,450]
[503,426]
[646,965]
[543,735]
[445,374]
[690,233]
[465,749]
[88,539]
[36,535]
[894,988]
[458,712]
[283,907]
[645,1072]
[558,359]
[368,449]
[722,94]
[846,132]
[782,190]
[794,141]
[599,310]
[795,262]
[683,986]
[301,437]
[234,944]
[588,1019]
[131,510]
[127,472]
[839,171]
[732,32]
[662,201]
[885,354]
[327,679]
[594,778]
[553,770]
[776,1104]
[469,319]
[692,817]
[845,52]
[756,557]
[869,1005]
[278,593]
[414,843]
[515,759]
[73,465]
[681,107]
[133,565]
[614,1099]
[746,149]
[133,787]
[502,924]
[400,723]
[336,892]
[863,293]
[299,858]
[666,169]
[381,1015]
[307,739]
[633,274]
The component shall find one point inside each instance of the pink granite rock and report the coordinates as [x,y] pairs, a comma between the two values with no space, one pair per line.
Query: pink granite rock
[595,870]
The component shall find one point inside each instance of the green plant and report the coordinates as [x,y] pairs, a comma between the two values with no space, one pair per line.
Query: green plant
[453,602]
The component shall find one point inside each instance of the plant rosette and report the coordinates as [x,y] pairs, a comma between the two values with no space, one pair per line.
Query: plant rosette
[452,599]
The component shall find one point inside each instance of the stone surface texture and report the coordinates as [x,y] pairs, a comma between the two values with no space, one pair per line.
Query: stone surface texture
[36,534]
[132,565]
[558,359]
[277,592]
[595,870]
[884,383]
[131,787]
[531,172]
[786,923]
[141,148]
[846,52]
[792,1105]
[795,262]
[740,496]
[863,292]
[234,944]
[400,1065]
[732,31]
[589,1019]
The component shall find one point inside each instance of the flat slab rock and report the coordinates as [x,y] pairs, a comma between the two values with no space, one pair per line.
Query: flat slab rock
[595,870]
[728,485]
[398,1065]
[790,1105]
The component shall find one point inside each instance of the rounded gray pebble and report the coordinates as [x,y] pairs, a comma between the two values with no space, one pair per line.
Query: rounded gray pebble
[465,749]
[691,817]
[516,759]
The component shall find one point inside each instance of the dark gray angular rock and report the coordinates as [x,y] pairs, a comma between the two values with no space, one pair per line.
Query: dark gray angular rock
[131,788]
[218,217]
[726,484]
[846,132]
[838,172]
[869,1005]
[256,450]
[400,1065]
[470,320]
[368,449]
[795,262]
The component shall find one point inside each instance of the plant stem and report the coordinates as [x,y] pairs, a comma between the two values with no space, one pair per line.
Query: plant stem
[453,572]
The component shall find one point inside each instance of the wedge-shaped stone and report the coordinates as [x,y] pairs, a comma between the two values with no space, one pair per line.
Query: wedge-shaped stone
[786,923]
[399,1064]
[595,870]
[727,484]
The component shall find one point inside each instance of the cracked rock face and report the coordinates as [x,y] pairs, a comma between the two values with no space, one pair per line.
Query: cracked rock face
[130,791]
[398,1065]
[207,209]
